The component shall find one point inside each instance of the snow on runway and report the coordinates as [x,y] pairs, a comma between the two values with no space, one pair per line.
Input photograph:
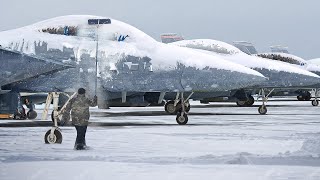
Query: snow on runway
[221,141]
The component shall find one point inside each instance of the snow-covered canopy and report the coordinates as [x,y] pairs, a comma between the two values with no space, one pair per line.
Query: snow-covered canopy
[296,60]
[209,45]
[293,59]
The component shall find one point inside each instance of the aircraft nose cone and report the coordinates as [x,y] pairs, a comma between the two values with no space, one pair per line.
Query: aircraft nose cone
[218,80]
[289,79]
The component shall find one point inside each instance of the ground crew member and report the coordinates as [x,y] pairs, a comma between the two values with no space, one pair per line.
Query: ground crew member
[79,107]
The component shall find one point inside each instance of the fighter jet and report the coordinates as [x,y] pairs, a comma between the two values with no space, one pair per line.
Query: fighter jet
[303,94]
[281,75]
[113,60]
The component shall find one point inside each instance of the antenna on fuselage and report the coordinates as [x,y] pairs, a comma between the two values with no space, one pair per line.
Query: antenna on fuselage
[97,22]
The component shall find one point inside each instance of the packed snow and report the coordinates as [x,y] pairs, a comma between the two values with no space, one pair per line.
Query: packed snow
[221,141]
[315,61]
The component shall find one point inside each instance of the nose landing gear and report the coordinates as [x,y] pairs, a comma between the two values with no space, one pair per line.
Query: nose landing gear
[182,115]
[315,102]
[180,107]
[263,108]
[54,134]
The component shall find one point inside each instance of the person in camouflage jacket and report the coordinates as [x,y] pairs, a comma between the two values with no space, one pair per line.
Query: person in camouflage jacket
[79,107]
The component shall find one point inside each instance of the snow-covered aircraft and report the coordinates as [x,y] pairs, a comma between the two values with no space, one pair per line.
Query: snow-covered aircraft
[281,75]
[303,94]
[113,60]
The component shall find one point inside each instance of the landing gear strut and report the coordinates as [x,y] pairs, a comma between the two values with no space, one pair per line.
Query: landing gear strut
[172,107]
[263,108]
[54,134]
[182,115]
[180,107]
[315,102]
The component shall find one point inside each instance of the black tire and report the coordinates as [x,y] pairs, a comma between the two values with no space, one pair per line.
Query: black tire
[307,98]
[204,102]
[262,109]
[241,103]
[179,107]
[57,139]
[250,101]
[315,103]
[182,120]
[169,108]
[32,114]
[300,98]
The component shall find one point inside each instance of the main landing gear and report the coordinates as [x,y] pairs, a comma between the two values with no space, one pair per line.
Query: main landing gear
[246,103]
[172,107]
[304,96]
[263,108]
[180,107]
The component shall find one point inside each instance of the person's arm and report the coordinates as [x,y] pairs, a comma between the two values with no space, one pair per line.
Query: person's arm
[68,106]
[93,102]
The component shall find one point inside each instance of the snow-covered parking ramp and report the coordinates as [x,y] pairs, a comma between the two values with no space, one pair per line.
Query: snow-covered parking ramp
[220,143]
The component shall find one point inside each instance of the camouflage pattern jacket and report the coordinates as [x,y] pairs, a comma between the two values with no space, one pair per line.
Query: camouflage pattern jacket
[79,107]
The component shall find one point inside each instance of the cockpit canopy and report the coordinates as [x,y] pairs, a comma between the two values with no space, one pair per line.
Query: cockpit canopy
[91,27]
[209,45]
[284,58]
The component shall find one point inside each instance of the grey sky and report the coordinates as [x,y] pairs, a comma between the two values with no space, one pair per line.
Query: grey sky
[293,23]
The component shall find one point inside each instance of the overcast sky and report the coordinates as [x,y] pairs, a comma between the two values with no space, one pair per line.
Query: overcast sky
[292,23]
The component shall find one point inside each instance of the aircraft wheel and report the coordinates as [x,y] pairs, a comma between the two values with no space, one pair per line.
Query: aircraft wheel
[170,108]
[182,120]
[300,98]
[250,101]
[315,103]
[241,103]
[32,114]
[55,138]
[262,109]
[307,98]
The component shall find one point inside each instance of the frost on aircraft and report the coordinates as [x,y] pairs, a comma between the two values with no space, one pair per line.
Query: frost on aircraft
[304,93]
[281,75]
[130,64]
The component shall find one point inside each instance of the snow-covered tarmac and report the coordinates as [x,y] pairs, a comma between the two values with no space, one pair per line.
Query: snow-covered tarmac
[221,141]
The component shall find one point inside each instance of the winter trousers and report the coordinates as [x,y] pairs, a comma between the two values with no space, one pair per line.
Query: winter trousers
[81,134]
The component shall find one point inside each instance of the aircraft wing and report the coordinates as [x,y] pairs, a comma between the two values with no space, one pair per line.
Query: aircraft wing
[16,66]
